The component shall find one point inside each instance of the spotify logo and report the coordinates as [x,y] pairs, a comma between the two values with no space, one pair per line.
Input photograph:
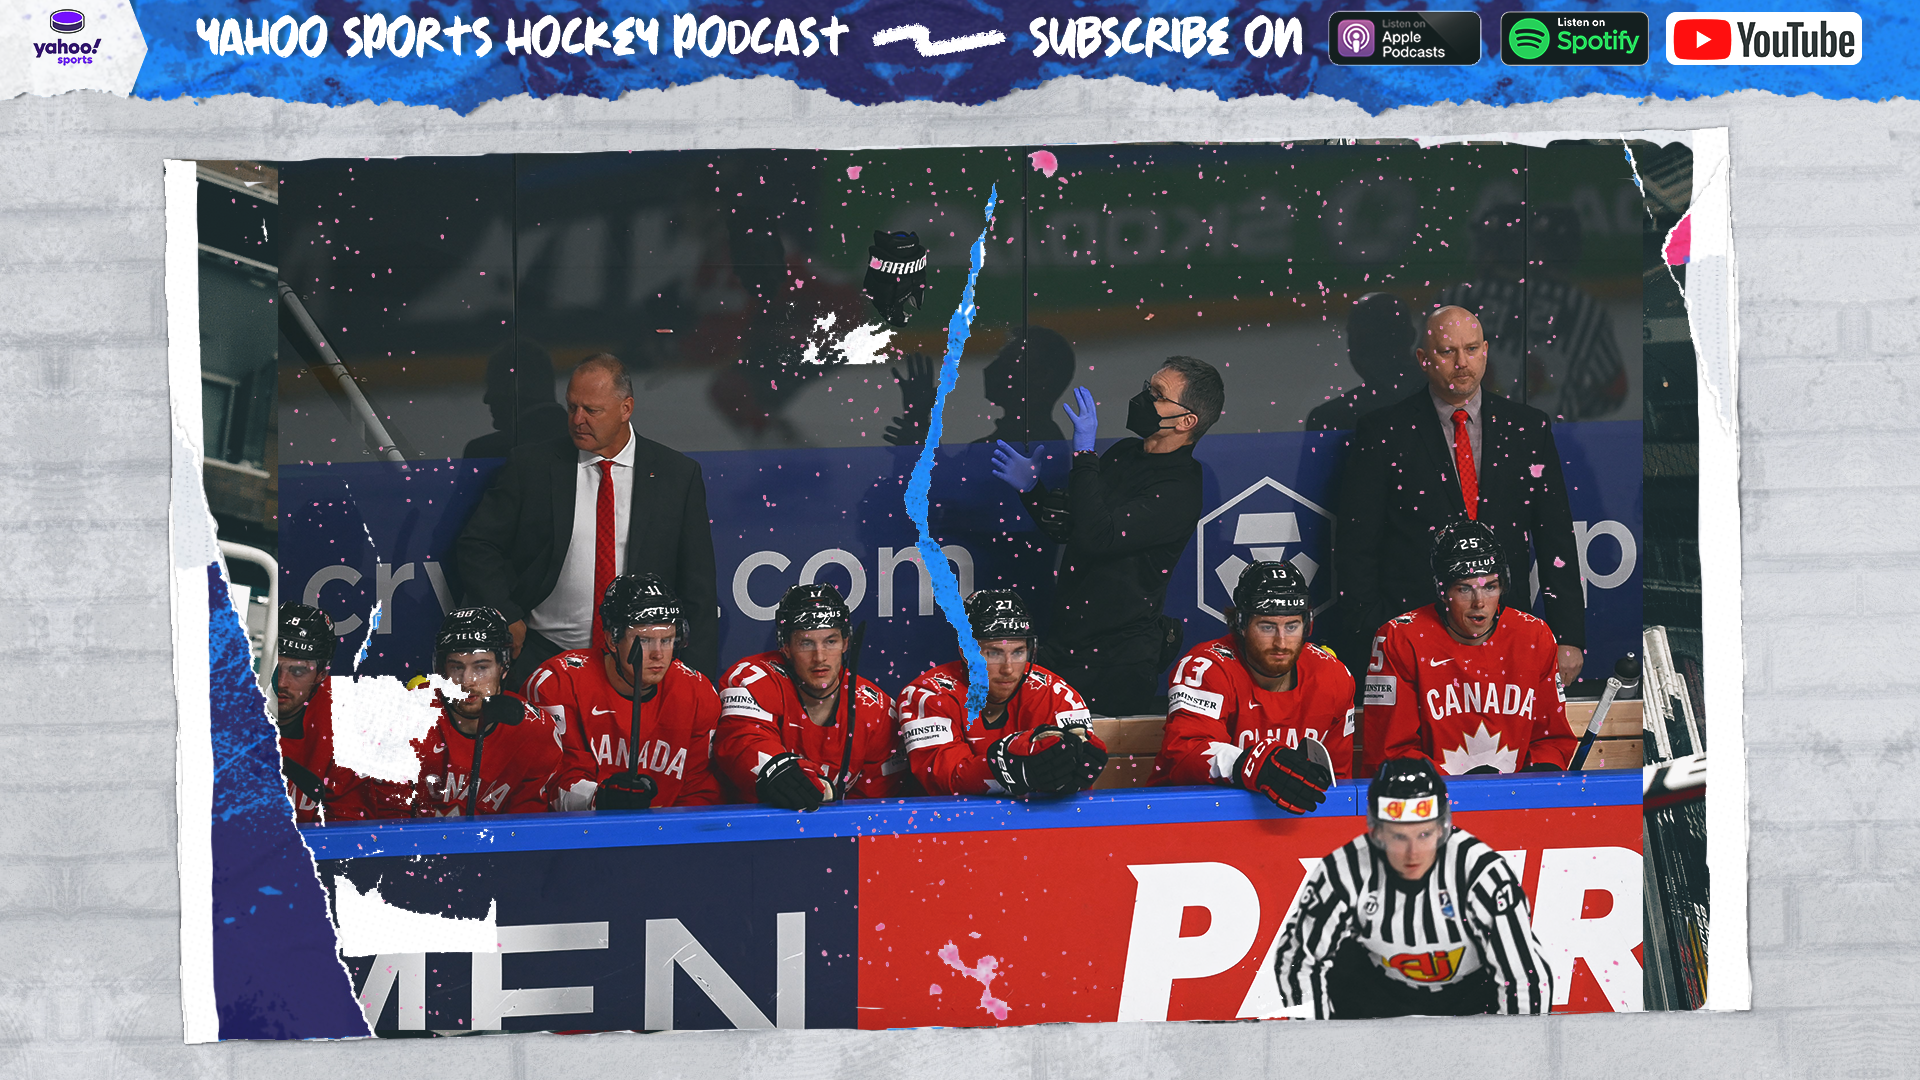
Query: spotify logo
[1528,39]
[1542,38]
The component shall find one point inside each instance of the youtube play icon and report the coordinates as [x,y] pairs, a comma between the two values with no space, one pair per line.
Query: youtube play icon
[1702,39]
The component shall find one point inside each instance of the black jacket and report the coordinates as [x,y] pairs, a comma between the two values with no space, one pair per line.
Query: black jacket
[1400,485]
[1125,517]
[510,552]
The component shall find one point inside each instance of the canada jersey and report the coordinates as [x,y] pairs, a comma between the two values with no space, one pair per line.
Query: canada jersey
[342,789]
[1498,703]
[1215,711]
[761,717]
[595,721]
[948,756]
[1469,912]
[518,764]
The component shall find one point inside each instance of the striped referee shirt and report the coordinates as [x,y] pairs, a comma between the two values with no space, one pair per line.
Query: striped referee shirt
[1470,913]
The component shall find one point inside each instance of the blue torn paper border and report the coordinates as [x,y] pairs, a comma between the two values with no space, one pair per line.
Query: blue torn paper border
[938,50]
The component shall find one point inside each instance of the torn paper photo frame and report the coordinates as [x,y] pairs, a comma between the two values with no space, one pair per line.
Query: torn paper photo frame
[289,979]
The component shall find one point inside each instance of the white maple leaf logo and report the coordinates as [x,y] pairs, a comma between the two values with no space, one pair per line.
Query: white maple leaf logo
[1482,748]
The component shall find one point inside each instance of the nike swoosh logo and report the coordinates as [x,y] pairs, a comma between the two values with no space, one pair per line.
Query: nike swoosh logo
[597,712]
[1437,663]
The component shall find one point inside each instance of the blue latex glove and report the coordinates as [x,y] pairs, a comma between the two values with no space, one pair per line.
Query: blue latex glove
[1020,472]
[1086,422]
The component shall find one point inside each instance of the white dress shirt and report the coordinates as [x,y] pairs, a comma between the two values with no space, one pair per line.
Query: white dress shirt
[566,616]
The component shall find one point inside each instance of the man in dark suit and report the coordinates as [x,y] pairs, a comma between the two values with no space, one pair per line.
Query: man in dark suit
[1451,451]
[566,516]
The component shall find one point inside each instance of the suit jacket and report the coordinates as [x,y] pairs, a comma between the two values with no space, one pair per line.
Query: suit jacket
[510,552]
[1400,485]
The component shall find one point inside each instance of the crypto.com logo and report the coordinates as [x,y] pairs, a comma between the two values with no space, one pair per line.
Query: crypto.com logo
[1267,522]
[1354,37]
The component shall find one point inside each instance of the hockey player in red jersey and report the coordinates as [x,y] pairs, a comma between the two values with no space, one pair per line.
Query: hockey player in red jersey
[1033,735]
[512,748]
[591,697]
[320,789]
[1412,918]
[782,738]
[1239,706]
[1467,683]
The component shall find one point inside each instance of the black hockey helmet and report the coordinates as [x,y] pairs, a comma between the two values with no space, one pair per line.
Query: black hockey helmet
[643,600]
[1464,549]
[306,633]
[1000,614]
[1406,791]
[1271,588]
[473,629]
[811,607]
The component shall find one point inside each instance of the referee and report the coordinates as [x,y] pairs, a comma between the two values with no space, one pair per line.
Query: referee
[1413,918]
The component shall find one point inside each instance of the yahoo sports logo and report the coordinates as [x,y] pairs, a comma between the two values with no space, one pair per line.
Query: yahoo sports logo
[67,21]
[1354,37]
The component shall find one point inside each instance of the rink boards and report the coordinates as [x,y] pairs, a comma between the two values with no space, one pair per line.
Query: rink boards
[1112,905]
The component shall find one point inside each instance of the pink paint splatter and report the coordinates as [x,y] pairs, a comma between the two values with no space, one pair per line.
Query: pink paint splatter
[1679,242]
[932,989]
[853,172]
[1558,561]
[1044,161]
[982,973]
[1537,470]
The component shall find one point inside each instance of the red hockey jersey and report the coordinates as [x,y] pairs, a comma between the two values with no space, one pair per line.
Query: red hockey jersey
[761,717]
[518,766]
[345,791]
[947,755]
[595,720]
[1498,703]
[1215,711]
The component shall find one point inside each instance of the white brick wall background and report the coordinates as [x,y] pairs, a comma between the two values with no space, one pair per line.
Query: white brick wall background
[1825,224]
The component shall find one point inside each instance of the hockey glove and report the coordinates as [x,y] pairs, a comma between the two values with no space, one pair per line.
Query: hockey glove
[626,791]
[1482,770]
[502,709]
[785,783]
[1041,761]
[1092,754]
[1295,782]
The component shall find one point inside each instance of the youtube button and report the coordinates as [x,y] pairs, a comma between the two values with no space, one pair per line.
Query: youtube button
[1702,39]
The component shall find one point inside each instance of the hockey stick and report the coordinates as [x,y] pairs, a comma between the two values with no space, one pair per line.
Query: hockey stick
[633,725]
[852,665]
[508,711]
[1626,676]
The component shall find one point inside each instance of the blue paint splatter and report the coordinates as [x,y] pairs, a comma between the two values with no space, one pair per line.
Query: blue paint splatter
[946,588]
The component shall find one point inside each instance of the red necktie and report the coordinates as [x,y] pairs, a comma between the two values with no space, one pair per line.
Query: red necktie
[602,543]
[1463,460]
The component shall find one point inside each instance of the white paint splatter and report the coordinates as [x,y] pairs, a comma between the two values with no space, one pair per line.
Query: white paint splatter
[866,344]
[369,926]
[376,721]
[924,44]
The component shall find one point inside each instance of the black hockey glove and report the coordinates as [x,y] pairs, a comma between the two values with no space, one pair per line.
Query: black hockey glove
[896,274]
[626,791]
[786,784]
[502,709]
[1091,752]
[1041,761]
[1295,782]
[1482,770]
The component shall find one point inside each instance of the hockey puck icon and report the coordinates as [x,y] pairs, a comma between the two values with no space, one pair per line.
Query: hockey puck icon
[67,21]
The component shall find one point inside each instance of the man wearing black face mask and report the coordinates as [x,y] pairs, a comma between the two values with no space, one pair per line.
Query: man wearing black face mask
[1125,516]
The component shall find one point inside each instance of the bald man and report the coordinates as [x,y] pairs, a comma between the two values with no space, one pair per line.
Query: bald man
[531,549]
[1452,450]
